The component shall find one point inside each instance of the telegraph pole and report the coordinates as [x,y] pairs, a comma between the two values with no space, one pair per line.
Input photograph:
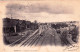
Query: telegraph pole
[11,13]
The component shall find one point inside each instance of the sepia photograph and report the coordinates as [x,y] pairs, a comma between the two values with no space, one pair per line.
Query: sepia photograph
[40,26]
[21,29]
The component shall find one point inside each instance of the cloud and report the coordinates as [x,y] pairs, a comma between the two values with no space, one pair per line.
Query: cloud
[39,12]
[38,8]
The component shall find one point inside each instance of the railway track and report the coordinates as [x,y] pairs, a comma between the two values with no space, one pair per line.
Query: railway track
[39,37]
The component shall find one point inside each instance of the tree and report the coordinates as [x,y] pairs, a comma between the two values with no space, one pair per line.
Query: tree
[35,21]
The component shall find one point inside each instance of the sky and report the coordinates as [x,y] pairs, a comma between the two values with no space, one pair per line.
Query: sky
[39,12]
